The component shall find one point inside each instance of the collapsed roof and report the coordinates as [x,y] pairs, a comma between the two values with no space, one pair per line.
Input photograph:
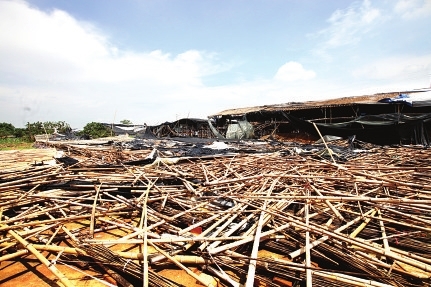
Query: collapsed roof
[389,118]
[414,98]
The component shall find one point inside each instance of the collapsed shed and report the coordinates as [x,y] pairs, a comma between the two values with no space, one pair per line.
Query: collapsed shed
[126,129]
[186,127]
[388,118]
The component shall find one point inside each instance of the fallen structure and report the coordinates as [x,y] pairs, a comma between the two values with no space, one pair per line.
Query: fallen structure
[186,127]
[389,118]
[253,213]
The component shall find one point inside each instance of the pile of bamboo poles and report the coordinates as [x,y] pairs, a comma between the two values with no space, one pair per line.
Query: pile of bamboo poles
[262,219]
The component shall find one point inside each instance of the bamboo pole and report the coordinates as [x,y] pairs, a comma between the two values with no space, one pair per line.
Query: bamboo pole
[382,229]
[93,211]
[300,251]
[308,273]
[255,249]
[187,270]
[328,203]
[324,142]
[13,255]
[63,279]
[363,224]
[145,243]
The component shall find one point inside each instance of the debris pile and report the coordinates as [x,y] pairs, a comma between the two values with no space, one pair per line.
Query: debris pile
[270,217]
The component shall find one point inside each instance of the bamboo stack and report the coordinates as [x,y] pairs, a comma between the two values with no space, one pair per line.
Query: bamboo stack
[266,218]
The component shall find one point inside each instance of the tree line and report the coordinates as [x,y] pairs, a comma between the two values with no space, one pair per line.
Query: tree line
[90,130]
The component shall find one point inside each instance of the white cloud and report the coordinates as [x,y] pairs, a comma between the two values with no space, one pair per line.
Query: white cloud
[55,65]
[349,25]
[293,71]
[412,9]
[412,71]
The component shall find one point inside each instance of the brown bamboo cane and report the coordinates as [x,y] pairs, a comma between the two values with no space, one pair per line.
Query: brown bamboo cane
[33,215]
[301,250]
[93,211]
[36,234]
[63,279]
[221,229]
[136,230]
[308,273]
[280,205]
[252,264]
[235,180]
[396,182]
[207,231]
[6,246]
[246,240]
[383,231]
[323,210]
[13,255]
[366,246]
[65,219]
[223,275]
[28,184]
[332,198]
[339,277]
[363,224]
[197,224]
[403,214]
[324,142]
[232,230]
[145,243]
[333,276]
[187,270]
[391,267]
[64,228]
[29,192]
[26,212]
[88,206]
[176,239]
[419,262]
[397,222]
[54,234]
[187,259]
[349,279]
[328,203]
[163,221]
[11,183]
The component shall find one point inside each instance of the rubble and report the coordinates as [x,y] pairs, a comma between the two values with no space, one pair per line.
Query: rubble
[230,213]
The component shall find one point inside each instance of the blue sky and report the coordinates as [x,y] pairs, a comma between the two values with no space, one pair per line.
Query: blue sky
[153,61]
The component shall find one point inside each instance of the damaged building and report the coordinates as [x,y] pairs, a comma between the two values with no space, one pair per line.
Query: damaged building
[186,127]
[387,118]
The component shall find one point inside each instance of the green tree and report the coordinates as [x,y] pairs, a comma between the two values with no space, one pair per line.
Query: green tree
[96,130]
[60,126]
[6,130]
[34,129]
[126,122]
[39,128]
[20,133]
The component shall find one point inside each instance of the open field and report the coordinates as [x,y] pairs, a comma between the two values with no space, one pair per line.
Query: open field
[14,144]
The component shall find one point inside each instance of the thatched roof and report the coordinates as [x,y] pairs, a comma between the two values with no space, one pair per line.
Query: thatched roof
[309,104]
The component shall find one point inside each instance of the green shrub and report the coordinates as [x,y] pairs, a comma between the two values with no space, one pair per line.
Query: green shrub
[96,130]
